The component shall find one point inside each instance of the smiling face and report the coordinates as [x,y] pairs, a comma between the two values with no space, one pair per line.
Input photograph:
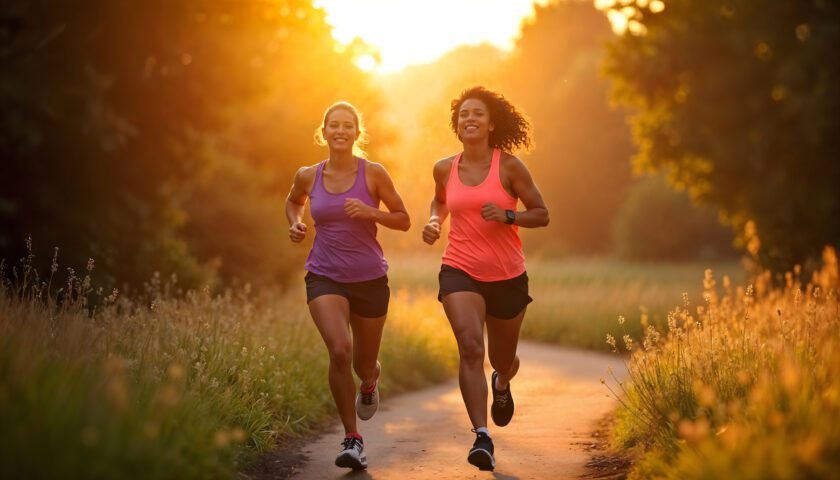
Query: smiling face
[474,124]
[340,130]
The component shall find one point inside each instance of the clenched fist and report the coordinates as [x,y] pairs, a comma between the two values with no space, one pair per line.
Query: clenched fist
[491,213]
[355,208]
[431,232]
[297,232]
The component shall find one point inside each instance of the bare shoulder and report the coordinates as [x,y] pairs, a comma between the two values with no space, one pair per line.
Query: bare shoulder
[376,169]
[509,160]
[305,176]
[442,166]
[512,165]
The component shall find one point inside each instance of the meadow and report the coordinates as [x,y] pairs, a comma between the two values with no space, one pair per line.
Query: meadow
[743,382]
[167,385]
[195,384]
[576,300]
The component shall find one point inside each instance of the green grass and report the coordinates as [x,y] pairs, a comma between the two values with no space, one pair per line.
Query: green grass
[577,301]
[166,387]
[195,386]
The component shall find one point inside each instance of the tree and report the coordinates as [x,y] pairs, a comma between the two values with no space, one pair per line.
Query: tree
[738,101]
[120,123]
[656,222]
[582,145]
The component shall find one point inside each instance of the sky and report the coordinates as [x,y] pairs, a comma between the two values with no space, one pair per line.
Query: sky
[407,32]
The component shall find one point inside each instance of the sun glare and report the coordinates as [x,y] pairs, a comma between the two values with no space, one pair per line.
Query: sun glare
[366,62]
[407,32]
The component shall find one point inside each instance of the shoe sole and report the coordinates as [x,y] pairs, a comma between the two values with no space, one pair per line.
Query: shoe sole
[482,459]
[349,461]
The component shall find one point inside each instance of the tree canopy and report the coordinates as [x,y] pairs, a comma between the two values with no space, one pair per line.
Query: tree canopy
[150,135]
[739,102]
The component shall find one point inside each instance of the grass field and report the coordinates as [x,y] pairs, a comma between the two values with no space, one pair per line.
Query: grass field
[193,386]
[577,301]
[743,384]
[166,387]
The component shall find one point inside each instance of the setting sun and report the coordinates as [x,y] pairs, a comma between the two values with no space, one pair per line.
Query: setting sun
[408,32]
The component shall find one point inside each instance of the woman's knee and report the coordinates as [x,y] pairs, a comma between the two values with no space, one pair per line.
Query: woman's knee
[472,351]
[504,365]
[341,354]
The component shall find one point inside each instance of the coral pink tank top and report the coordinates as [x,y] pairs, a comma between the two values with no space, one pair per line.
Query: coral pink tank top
[487,251]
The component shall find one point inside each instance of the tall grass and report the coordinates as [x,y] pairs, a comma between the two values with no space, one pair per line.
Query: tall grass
[743,385]
[576,300]
[168,386]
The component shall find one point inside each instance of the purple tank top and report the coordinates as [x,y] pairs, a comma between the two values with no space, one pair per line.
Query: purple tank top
[345,249]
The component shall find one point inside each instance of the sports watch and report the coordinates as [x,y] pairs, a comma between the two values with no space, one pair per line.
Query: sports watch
[510,217]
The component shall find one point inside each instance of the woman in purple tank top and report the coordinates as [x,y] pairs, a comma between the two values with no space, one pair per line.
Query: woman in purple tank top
[346,281]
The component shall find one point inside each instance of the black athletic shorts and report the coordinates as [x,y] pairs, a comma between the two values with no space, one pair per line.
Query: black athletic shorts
[367,299]
[504,298]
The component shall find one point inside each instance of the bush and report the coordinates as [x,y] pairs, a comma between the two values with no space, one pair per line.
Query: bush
[658,223]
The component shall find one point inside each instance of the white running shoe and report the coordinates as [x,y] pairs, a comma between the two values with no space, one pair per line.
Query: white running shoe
[367,403]
[352,454]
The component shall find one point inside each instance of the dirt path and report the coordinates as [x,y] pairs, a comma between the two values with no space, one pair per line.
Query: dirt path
[426,435]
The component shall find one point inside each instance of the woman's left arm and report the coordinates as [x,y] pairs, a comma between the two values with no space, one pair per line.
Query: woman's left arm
[523,186]
[396,217]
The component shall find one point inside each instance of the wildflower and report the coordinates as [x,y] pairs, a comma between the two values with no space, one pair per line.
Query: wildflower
[611,341]
[621,319]
[54,265]
[651,338]
[708,280]
[672,321]
[628,342]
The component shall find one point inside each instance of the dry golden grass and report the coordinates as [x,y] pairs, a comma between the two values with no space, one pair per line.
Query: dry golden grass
[743,385]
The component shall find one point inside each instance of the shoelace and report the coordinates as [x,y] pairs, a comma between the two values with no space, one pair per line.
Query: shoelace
[501,399]
[367,397]
[351,443]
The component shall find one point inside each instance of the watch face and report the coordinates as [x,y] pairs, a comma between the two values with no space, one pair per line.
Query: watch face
[510,216]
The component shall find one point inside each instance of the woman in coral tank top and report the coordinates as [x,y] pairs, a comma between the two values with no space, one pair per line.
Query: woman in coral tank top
[346,284]
[483,280]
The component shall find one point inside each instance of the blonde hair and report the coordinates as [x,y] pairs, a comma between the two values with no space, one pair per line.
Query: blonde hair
[357,117]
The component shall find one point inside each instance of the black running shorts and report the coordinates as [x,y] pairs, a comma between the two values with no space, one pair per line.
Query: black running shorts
[504,298]
[367,299]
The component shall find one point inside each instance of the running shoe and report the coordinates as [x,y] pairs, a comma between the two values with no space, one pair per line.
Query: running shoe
[502,408]
[367,402]
[481,453]
[352,454]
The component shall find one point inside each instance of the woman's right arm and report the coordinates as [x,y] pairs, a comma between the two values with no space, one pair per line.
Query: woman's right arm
[295,203]
[437,211]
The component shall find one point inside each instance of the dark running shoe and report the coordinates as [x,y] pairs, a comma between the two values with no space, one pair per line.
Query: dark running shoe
[481,453]
[502,408]
[352,454]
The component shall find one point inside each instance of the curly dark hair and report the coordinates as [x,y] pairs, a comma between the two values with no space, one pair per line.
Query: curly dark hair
[512,129]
